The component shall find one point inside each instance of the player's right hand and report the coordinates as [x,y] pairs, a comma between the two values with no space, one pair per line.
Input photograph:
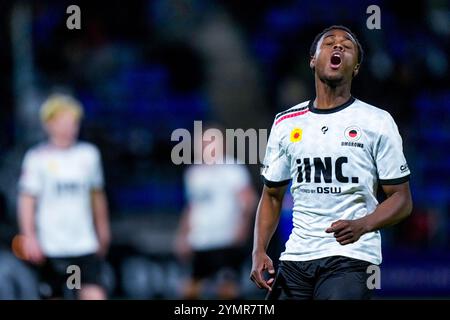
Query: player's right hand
[261,263]
[32,250]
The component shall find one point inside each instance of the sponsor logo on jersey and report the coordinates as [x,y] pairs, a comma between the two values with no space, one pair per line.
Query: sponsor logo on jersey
[326,190]
[68,187]
[352,144]
[326,170]
[296,135]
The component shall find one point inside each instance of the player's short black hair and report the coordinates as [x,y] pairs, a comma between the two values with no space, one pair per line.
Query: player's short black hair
[312,50]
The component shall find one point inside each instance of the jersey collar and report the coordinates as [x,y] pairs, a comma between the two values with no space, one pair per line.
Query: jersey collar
[332,110]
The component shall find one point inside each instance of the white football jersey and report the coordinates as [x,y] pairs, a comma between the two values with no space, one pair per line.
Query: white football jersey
[62,181]
[213,195]
[335,159]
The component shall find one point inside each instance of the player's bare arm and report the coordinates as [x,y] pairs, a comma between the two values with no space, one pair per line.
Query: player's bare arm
[181,244]
[267,218]
[247,198]
[101,219]
[394,209]
[26,208]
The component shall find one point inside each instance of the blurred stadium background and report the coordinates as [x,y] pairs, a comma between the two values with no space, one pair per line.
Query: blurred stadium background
[144,68]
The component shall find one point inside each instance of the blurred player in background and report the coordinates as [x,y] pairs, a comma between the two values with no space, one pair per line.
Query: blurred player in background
[216,223]
[335,149]
[62,207]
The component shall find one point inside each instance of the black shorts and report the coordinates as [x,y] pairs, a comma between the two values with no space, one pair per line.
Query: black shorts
[209,262]
[54,272]
[331,278]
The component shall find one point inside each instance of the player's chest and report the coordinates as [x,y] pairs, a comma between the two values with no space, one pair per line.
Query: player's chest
[210,185]
[327,137]
[65,168]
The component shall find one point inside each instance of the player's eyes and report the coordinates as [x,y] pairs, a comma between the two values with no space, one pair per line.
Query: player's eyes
[348,45]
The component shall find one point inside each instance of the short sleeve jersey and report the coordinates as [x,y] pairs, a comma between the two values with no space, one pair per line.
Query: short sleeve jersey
[62,181]
[213,193]
[335,160]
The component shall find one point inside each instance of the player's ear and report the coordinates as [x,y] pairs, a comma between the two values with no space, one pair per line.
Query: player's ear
[312,62]
[356,70]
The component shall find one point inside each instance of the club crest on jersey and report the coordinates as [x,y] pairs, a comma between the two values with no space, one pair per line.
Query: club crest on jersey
[352,133]
[296,135]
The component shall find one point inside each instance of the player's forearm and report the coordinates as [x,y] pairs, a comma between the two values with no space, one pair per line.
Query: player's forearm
[267,218]
[184,226]
[391,211]
[248,200]
[26,215]
[101,215]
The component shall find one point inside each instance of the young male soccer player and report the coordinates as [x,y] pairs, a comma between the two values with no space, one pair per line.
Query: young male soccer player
[335,149]
[63,212]
[215,223]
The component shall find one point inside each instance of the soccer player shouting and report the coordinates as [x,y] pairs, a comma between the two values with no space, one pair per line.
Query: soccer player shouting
[335,149]
[63,212]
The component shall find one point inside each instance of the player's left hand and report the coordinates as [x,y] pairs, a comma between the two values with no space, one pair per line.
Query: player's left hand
[104,243]
[346,231]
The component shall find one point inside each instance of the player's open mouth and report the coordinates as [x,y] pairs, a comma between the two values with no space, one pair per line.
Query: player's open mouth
[335,61]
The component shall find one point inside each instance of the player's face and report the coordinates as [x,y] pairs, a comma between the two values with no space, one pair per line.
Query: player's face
[212,151]
[64,128]
[336,58]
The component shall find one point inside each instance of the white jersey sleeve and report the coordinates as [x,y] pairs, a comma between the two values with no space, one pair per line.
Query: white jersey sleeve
[30,181]
[97,181]
[390,161]
[276,165]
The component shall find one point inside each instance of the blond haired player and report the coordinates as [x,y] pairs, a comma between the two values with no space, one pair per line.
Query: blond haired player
[62,207]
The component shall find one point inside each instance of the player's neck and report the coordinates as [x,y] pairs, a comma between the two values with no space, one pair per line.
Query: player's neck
[60,144]
[328,97]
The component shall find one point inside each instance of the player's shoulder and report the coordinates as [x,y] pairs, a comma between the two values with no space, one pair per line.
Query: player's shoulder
[86,150]
[192,170]
[84,146]
[372,111]
[38,150]
[293,112]
[235,165]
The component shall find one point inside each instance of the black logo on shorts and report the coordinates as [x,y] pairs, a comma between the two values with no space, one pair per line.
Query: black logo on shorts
[324,129]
